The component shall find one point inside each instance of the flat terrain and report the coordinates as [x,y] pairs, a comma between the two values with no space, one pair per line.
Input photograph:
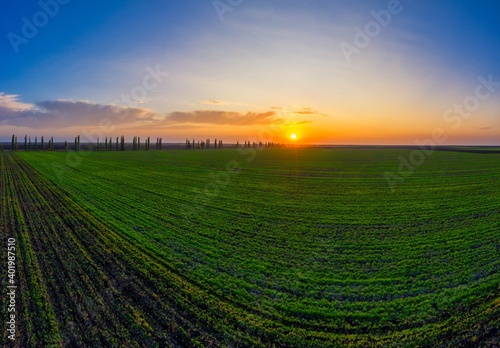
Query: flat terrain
[280,247]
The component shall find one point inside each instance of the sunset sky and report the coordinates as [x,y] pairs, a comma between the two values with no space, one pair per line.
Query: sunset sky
[330,71]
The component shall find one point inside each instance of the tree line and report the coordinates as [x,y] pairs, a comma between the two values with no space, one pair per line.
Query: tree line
[119,144]
[28,145]
[207,144]
[109,144]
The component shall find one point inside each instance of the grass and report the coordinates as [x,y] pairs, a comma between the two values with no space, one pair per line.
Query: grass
[294,247]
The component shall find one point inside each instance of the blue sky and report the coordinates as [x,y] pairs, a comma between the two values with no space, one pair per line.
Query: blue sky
[235,68]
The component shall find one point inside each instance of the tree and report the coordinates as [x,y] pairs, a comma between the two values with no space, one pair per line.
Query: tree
[36,143]
[42,142]
[25,143]
[13,146]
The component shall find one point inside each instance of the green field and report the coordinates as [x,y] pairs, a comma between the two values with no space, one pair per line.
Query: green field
[293,247]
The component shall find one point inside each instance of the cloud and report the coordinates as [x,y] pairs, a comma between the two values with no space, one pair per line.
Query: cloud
[68,113]
[308,111]
[485,128]
[223,117]
[294,111]
[214,102]
[11,102]
[299,123]
[64,113]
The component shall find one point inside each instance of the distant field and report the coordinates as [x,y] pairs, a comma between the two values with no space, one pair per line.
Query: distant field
[287,248]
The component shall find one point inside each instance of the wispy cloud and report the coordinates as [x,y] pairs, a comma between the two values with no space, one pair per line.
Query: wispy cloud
[297,123]
[223,117]
[214,102]
[217,102]
[12,102]
[308,111]
[295,111]
[485,128]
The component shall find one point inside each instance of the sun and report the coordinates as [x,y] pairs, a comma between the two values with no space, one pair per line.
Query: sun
[293,136]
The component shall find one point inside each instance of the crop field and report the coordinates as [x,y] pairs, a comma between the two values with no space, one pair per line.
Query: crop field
[284,247]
